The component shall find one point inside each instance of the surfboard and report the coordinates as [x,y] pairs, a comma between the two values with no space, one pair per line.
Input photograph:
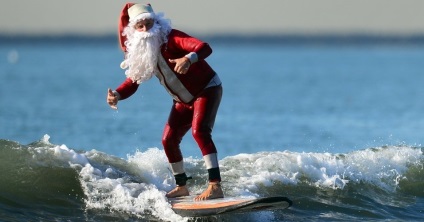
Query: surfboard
[187,207]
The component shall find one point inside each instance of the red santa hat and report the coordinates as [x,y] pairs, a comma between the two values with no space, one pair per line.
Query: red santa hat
[131,13]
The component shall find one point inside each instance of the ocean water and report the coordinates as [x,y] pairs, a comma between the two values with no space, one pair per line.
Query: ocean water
[337,128]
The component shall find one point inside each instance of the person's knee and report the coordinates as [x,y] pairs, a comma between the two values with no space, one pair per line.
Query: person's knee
[168,139]
[172,150]
[165,142]
[201,136]
[169,142]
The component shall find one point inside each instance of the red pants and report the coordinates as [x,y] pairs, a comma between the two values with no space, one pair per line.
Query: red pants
[200,116]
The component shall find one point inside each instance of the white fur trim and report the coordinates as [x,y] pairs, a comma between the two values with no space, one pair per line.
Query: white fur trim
[215,81]
[116,94]
[143,16]
[138,9]
[192,56]
[211,160]
[172,84]
[177,168]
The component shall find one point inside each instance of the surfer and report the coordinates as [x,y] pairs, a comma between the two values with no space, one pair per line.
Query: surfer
[153,48]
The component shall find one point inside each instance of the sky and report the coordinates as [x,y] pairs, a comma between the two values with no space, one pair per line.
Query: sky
[98,17]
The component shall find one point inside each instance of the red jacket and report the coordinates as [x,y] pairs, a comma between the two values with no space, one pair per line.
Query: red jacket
[182,87]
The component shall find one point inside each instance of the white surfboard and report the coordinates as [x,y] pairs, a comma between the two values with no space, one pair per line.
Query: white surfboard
[187,207]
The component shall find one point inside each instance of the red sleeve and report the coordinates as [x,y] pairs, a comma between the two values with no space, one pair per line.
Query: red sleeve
[124,19]
[127,89]
[190,44]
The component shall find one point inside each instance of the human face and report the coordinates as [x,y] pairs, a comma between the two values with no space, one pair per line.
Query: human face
[144,25]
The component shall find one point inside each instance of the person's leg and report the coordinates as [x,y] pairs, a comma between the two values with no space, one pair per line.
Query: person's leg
[179,122]
[205,110]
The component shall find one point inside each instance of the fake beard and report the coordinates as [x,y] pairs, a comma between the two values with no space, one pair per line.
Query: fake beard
[143,49]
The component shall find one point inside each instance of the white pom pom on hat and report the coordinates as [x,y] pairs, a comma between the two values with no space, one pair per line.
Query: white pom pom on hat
[140,11]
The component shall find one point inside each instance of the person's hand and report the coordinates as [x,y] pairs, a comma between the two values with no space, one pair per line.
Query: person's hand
[112,99]
[181,65]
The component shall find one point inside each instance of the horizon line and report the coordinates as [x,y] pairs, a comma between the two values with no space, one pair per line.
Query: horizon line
[288,38]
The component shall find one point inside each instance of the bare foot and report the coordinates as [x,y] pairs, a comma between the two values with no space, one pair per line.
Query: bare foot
[178,191]
[213,191]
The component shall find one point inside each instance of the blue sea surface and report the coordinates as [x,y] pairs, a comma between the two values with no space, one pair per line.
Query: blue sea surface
[336,128]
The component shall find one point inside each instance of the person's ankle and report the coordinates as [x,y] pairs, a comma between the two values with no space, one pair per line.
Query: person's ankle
[215,183]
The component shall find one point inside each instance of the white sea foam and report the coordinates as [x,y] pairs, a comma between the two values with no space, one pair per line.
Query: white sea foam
[137,185]
[57,154]
[153,167]
[139,199]
[106,188]
[122,195]
[382,167]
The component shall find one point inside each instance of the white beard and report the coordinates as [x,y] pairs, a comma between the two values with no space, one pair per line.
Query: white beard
[143,49]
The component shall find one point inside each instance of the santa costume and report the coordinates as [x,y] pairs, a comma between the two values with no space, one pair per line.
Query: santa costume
[196,94]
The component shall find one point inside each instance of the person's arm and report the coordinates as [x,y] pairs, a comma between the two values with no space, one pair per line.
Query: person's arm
[125,90]
[196,50]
